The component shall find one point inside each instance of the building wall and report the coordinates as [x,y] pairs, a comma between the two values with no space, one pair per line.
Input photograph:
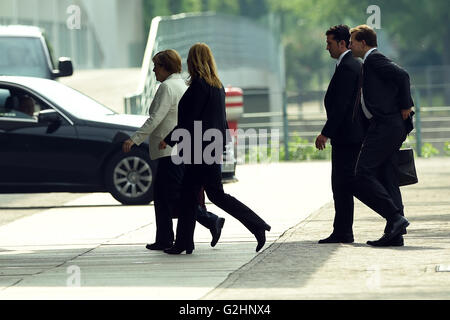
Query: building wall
[111,33]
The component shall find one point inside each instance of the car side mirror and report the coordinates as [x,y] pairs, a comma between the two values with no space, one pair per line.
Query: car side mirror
[65,67]
[49,116]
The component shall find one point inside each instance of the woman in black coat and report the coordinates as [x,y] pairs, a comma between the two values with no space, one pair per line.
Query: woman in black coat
[201,116]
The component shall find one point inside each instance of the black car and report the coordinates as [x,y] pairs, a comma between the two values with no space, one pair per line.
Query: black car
[63,141]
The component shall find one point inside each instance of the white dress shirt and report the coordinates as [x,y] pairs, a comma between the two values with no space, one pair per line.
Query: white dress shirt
[163,116]
[340,57]
[367,54]
[363,104]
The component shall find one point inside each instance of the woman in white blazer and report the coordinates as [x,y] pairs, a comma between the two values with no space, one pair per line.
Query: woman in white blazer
[163,115]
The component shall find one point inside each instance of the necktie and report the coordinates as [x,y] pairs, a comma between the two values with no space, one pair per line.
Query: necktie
[358,95]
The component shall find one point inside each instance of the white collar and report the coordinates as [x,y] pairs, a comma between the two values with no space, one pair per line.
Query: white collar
[367,53]
[340,57]
[174,76]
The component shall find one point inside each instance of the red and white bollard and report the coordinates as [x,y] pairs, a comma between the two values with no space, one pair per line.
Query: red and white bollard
[234,103]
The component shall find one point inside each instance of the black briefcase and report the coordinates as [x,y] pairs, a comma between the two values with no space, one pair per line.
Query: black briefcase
[406,172]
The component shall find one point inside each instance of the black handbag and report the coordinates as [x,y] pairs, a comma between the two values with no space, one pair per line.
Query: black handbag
[406,172]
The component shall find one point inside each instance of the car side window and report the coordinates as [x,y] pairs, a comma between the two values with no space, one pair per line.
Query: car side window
[4,110]
[17,105]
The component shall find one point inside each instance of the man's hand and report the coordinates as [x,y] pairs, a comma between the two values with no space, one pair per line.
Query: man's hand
[321,141]
[405,113]
[126,146]
[162,145]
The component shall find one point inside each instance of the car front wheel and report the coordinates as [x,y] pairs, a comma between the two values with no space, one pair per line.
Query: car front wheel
[129,177]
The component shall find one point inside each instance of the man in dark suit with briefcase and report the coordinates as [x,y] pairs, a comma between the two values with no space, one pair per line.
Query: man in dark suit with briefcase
[345,135]
[384,99]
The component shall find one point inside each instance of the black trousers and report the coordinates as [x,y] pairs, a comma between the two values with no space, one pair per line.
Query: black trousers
[210,177]
[167,200]
[376,182]
[343,162]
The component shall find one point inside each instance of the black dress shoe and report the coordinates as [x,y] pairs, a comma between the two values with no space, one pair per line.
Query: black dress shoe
[401,233]
[397,241]
[178,250]
[260,236]
[158,246]
[395,227]
[216,230]
[333,238]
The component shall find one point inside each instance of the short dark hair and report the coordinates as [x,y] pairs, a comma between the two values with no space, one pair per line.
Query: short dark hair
[366,33]
[169,59]
[339,33]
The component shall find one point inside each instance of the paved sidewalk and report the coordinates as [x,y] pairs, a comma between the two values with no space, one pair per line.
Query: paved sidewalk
[94,248]
[296,267]
[103,242]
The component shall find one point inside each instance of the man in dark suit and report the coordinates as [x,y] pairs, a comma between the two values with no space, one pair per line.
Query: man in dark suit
[345,135]
[385,100]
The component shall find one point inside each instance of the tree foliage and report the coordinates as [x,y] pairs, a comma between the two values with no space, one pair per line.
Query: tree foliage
[418,30]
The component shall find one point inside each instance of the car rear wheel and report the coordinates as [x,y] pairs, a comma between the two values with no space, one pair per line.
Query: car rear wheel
[129,177]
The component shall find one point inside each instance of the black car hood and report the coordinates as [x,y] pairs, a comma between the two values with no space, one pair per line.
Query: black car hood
[118,121]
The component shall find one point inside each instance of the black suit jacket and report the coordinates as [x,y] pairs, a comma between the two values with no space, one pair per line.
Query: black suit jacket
[205,103]
[386,86]
[339,103]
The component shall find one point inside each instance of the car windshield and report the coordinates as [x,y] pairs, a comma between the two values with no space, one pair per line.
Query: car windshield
[73,101]
[23,56]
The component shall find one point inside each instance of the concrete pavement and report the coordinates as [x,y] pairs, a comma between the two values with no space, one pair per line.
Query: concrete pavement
[296,267]
[93,248]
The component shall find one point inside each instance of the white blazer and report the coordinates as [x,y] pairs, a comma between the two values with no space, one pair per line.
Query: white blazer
[163,116]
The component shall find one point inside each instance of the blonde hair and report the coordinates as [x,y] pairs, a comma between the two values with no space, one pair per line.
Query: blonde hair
[169,59]
[201,65]
[366,33]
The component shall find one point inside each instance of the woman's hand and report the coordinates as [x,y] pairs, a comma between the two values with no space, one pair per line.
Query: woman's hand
[126,146]
[162,145]
[405,113]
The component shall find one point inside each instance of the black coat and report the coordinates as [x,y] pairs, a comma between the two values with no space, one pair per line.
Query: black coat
[386,86]
[339,103]
[205,103]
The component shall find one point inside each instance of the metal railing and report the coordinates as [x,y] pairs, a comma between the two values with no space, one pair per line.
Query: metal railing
[432,127]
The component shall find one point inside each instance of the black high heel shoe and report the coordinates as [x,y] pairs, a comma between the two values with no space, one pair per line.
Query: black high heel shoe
[216,230]
[158,246]
[260,236]
[178,250]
